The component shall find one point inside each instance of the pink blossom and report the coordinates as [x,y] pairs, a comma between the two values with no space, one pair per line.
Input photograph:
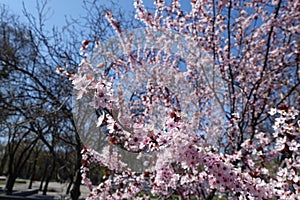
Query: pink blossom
[206,95]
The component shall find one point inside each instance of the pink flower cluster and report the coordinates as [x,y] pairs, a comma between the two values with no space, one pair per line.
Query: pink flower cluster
[209,96]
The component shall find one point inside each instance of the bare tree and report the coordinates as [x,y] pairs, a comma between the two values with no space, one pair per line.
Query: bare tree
[36,101]
[34,95]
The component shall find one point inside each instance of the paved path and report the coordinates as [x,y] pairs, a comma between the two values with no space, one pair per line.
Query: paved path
[56,191]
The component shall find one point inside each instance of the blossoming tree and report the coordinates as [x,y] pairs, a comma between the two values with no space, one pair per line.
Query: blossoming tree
[209,97]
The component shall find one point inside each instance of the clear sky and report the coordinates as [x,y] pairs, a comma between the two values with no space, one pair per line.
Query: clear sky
[59,9]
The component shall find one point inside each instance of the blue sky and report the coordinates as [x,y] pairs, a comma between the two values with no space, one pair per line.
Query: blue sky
[59,9]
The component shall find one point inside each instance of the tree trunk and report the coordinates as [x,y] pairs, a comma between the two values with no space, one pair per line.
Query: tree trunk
[46,185]
[44,176]
[10,184]
[32,174]
[28,171]
[70,185]
[41,184]
[3,162]
[49,176]
[75,192]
